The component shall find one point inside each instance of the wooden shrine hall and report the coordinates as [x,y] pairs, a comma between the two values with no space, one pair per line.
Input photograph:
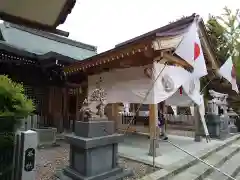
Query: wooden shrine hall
[36,58]
[43,79]
[140,51]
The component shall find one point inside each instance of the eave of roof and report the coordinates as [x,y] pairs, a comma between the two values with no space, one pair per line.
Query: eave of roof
[60,20]
[54,37]
[170,30]
[12,49]
[57,56]
[26,54]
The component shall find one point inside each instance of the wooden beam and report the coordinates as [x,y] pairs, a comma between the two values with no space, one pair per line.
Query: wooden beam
[73,85]
[207,47]
[177,61]
[116,54]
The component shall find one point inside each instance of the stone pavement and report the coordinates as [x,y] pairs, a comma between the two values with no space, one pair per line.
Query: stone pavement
[136,147]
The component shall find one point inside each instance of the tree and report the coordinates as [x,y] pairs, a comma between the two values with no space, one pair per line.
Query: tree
[14,106]
[218,40]
[13,101]
[224,33]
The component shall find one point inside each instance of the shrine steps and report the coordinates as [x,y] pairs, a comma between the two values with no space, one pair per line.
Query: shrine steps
[230,167]
[218,159]
[225,157]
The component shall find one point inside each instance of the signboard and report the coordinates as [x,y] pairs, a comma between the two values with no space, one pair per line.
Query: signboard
[29,140]
[29,163]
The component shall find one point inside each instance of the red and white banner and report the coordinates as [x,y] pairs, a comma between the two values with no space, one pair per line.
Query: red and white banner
[228,71]
[190,50]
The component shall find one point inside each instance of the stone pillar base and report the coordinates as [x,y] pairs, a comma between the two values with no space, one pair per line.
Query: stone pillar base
[153,152]
[115,174]
[232,128]
[197,138]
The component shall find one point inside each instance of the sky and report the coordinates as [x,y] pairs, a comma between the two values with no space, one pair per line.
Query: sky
[105,23]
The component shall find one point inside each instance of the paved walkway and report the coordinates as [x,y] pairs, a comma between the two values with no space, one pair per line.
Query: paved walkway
[137,147]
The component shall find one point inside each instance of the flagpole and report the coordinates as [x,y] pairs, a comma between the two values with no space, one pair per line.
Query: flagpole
[207,138]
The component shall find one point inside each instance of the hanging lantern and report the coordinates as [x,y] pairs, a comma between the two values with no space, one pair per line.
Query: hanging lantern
[181,91]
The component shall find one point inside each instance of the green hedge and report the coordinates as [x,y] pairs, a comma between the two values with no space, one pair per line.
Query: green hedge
[14,106]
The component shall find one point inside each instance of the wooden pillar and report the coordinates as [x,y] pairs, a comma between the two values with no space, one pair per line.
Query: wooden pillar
[50,117]
[153,114]
[77,105]
[64,106]
[50,91]
[115,115]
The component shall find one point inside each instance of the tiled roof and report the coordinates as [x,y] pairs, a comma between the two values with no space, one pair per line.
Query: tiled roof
[175,28]
[54,37]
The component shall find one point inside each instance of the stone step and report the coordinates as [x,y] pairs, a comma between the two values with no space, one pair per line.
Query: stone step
[237,176]
[186,168]
[200,170]
[230,167]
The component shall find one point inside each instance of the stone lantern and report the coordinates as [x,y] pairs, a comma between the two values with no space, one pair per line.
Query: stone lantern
[216,117]
[232,115]
[94,145]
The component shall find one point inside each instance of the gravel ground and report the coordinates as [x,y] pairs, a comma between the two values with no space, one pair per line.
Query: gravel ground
[51,159]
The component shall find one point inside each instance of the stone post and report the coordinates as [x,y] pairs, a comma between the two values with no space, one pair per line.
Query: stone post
[25,155]
[197,119]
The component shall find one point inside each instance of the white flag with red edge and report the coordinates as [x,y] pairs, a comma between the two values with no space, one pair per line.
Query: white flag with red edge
[228,71]
[190,50]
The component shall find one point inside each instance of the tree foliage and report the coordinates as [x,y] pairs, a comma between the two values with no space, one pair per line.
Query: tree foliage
[215,32]
[224,32]
[13,102]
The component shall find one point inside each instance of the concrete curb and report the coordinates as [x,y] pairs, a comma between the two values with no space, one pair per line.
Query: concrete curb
[164,174]
[139,160]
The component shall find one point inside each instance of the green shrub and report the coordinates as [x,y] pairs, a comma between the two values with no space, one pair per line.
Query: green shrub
[14,106]
[13,102]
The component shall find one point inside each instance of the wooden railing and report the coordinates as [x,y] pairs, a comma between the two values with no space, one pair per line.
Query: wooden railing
[179,122]
[180,119]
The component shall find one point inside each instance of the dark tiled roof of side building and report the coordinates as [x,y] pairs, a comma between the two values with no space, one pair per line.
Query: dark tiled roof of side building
[54,37]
